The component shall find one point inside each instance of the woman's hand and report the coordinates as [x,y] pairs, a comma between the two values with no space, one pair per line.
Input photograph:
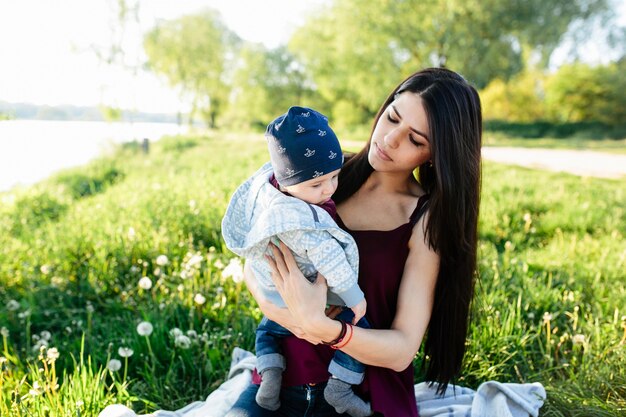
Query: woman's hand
[306,302]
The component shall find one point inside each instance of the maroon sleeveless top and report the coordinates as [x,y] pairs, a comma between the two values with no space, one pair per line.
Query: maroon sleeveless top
[382,256]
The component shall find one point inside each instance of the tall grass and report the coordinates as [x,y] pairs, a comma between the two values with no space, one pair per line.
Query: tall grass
[550,305]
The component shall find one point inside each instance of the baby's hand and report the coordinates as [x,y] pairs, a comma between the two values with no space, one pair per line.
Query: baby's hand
[359,311]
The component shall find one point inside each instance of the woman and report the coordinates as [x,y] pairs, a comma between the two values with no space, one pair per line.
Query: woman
[417,246]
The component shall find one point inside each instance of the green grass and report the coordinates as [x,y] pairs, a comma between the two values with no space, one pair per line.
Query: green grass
[550,305]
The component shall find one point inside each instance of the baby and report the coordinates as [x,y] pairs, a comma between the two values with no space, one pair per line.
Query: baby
[289,199]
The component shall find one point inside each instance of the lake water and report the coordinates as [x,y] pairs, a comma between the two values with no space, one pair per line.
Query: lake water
[31,150]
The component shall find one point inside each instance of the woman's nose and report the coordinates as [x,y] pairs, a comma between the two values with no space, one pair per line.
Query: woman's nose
[391,138]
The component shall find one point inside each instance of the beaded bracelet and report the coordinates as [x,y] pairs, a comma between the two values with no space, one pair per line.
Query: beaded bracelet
[339,338]
[336,346]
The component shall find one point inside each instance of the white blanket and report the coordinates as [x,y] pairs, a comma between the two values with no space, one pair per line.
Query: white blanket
[492,399]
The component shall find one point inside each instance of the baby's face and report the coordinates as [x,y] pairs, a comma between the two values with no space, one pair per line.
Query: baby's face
[317,190]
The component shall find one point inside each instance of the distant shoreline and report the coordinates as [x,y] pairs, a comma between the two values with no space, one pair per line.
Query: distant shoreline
[29,111]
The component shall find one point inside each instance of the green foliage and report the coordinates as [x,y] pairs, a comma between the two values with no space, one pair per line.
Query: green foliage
[265,84]
[32,209]
[544,129]
[354,55]
[110,114]
[549,306]
[93,180]
[581,93]
[576,99]
[518,100]
[193,52]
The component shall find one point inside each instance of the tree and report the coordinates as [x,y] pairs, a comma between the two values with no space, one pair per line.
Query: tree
[194,53]
[265,84]
[582,93]
[355,54]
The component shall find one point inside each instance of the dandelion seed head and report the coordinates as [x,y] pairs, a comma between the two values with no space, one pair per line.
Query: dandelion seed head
[182,342]
[578,339]
[4,332]
[233,270]
[13,305]
[114,365]
[45,269]
[24,314]
[175,332]
[199,299]
[46,335]
[162,260]
[218,264]
[192,334]
[195,260]
[125,352]
[145,328]
[52,354]
[145,283]
[547,317]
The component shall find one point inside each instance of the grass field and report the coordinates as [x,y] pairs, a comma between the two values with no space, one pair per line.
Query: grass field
[116,287]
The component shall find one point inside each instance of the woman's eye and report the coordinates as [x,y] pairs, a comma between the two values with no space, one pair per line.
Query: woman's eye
[316,186]
[390,119]
[413,141]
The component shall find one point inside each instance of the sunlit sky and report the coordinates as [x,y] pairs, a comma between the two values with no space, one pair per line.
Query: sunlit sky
[46,47]
[47,56]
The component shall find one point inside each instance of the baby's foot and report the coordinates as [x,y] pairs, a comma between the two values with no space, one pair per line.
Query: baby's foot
[339,394]
[268,395]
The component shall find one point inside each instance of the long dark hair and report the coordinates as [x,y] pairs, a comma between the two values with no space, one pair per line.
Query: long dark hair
[453,184]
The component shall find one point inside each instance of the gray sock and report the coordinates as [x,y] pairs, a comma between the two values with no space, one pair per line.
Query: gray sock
[268,395]
[339,394]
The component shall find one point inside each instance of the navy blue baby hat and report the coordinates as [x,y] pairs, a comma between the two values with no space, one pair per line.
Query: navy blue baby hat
[302,146]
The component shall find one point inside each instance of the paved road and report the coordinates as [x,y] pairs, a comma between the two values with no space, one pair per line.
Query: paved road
[583,163]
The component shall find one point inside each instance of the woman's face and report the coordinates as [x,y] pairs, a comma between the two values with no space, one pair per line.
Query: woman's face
[401,139]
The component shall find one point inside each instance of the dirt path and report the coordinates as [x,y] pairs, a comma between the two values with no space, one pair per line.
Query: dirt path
[583,163]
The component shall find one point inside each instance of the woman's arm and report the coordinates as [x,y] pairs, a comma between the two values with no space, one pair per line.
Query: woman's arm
[394,348]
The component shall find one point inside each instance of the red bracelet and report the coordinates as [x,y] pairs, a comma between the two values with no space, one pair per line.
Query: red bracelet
[336,346]
[339,338]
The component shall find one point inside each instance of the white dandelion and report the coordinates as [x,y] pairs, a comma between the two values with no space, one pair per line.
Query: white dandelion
[182,342]
[145,328]
[199,299]
[145,283]
[125,352]
[114,365]
[175,332]
[162,260]
[52,354]
[233,270]
[13,305]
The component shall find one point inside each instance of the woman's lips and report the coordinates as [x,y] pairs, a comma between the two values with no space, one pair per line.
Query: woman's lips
[381,153]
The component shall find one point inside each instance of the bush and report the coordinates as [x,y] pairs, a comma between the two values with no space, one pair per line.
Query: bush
[542,129]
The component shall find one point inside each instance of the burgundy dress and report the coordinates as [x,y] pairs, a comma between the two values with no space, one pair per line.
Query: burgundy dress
[382,257]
